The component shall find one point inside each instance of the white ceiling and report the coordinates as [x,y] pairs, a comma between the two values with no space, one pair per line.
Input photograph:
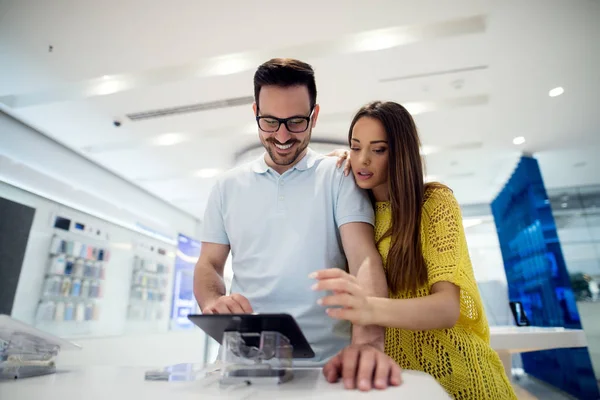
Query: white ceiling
[114,58]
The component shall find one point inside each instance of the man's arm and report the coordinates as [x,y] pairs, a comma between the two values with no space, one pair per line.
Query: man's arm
[359,245]
[208,274]
[209,288]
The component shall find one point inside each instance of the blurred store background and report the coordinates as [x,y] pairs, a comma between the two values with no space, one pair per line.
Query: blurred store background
[116,118]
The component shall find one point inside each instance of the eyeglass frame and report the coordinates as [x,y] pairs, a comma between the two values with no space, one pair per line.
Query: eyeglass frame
[284,121]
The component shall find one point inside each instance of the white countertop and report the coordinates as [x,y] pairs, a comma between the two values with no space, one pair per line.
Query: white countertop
[109,382]
[520,339]
[508,340]
[102,383]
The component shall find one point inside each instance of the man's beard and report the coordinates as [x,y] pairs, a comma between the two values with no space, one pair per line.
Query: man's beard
[287,159]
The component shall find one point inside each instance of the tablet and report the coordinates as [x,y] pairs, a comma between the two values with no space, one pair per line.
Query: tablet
[215,325]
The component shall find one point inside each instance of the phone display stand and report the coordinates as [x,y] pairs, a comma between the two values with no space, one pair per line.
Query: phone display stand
[26,351]
[256,358]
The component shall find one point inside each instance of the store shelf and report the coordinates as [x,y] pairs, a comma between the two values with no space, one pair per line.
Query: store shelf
[67,255]
[149,287]
[89,278]
[152,273]
[148,302]
[69,298]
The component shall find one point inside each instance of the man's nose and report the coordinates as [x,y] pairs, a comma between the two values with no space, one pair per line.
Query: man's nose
[282,135]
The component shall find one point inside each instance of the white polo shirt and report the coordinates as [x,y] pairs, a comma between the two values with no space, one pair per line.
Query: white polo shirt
[280,229]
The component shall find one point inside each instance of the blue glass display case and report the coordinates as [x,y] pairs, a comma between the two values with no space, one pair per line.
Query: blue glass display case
[537,277]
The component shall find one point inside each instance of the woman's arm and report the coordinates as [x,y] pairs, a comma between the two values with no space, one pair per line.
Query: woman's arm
[439,310]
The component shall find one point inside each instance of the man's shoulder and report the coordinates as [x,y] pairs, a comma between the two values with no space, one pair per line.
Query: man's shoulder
[232,178]
[326,165]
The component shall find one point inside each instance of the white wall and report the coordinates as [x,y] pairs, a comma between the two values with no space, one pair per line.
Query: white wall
[42,174]
[36,163]
[38,172]
[122,244]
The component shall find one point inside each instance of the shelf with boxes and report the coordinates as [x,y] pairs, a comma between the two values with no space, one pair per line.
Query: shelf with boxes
[149,284]
[73,282]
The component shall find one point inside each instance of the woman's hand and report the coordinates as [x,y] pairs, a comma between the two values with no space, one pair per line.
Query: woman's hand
[342,155]
[347,293]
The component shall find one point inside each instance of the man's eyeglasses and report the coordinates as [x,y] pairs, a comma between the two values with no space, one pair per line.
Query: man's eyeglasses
[293,124]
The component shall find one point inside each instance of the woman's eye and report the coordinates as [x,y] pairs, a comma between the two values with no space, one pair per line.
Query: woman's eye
[354,149]
[379,151]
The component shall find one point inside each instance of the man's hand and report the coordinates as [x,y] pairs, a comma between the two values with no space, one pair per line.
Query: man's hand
[363,366]
[234,304]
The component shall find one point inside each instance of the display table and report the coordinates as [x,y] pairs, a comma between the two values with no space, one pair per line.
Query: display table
[102,383]
[508,340]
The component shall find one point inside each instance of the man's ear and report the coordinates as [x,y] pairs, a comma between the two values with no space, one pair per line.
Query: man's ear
[315,115]
[255,109]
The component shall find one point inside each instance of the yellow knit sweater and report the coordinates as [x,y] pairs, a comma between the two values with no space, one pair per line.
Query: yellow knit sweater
[460,358]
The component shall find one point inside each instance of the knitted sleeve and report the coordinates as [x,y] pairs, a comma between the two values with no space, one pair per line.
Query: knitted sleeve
[446,253]
[441,233]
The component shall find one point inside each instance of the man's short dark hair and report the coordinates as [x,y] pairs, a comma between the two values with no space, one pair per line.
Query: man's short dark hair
[286,72]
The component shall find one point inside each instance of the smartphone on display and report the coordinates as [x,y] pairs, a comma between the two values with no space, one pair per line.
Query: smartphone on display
[519,313]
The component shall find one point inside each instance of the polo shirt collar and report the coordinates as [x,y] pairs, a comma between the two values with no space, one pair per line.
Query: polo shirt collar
[308,161]
[260,165]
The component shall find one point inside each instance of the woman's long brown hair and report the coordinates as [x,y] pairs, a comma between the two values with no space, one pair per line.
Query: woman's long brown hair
[406,269]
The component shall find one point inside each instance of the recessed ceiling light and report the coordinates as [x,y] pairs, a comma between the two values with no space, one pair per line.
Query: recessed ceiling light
[108,86]
[168,139]
[519,140]
[380,39]
[231,64]
[419,107]
[557,91]
[564,205]
[207,172]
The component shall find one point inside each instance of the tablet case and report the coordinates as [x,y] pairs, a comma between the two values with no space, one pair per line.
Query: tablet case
[215,325]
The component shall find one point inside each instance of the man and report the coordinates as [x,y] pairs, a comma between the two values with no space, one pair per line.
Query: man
[285,216]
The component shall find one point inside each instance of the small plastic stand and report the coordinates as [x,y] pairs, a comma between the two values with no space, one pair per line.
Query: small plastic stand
[26,351]
[253,358]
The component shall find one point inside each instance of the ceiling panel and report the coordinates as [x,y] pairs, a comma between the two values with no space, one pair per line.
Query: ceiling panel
[471,94]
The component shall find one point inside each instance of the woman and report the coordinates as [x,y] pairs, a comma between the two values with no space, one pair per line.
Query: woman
[434,315]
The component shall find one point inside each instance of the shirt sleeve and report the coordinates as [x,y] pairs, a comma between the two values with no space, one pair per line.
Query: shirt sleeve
[213,225]
[442,234]
[352,203]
